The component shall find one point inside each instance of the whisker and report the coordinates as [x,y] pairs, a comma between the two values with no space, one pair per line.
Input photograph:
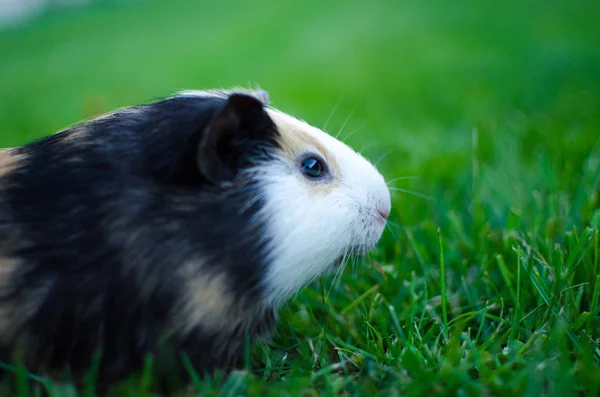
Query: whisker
[416,194]
[343,268]
[392,232]
[339,269]
[338,274]
[354,267]
[403,227]
[402,178]
[348,118]
[352,133]
[333,112]
[390,222]
[369,146]
[382,157]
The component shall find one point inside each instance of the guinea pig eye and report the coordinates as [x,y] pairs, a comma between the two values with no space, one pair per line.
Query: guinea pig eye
[312,167]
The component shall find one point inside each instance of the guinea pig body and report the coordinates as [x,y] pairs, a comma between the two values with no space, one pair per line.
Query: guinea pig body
[191,219]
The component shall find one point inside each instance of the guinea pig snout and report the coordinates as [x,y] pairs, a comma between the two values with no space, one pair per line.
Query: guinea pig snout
[382,211]
[382,205]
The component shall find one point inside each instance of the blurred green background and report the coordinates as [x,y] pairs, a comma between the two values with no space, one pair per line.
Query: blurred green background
[493,105]
[407,80]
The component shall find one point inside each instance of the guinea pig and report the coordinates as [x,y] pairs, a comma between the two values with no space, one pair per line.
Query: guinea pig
[184,222]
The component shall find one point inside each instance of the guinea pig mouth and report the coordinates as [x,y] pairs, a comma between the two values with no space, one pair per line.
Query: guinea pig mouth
[337,263]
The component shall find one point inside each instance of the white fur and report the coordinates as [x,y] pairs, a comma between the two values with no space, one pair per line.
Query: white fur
[311,230]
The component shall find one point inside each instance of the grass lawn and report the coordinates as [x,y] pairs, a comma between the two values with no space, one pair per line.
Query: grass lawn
[487,282]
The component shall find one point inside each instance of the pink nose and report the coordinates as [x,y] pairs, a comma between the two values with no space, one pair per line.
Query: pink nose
[384,213]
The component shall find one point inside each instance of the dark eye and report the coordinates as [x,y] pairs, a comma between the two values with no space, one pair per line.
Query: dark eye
[312,167]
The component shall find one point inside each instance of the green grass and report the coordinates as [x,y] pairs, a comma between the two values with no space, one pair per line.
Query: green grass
[489,288]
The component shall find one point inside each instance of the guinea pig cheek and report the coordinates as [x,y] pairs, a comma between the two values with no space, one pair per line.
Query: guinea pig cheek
[309,230]
[349,224]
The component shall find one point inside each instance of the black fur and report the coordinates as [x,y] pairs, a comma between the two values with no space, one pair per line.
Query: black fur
[103,216]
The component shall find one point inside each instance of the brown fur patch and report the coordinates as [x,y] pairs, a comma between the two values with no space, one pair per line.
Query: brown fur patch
[9,161]
[295,139]
[209,303]
[16,312]
[7,267]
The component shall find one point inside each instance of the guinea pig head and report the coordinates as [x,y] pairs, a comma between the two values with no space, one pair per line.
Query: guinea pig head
[324,203]
[321,201]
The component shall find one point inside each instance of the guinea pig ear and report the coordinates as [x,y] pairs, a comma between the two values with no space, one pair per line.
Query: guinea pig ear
[220,145]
